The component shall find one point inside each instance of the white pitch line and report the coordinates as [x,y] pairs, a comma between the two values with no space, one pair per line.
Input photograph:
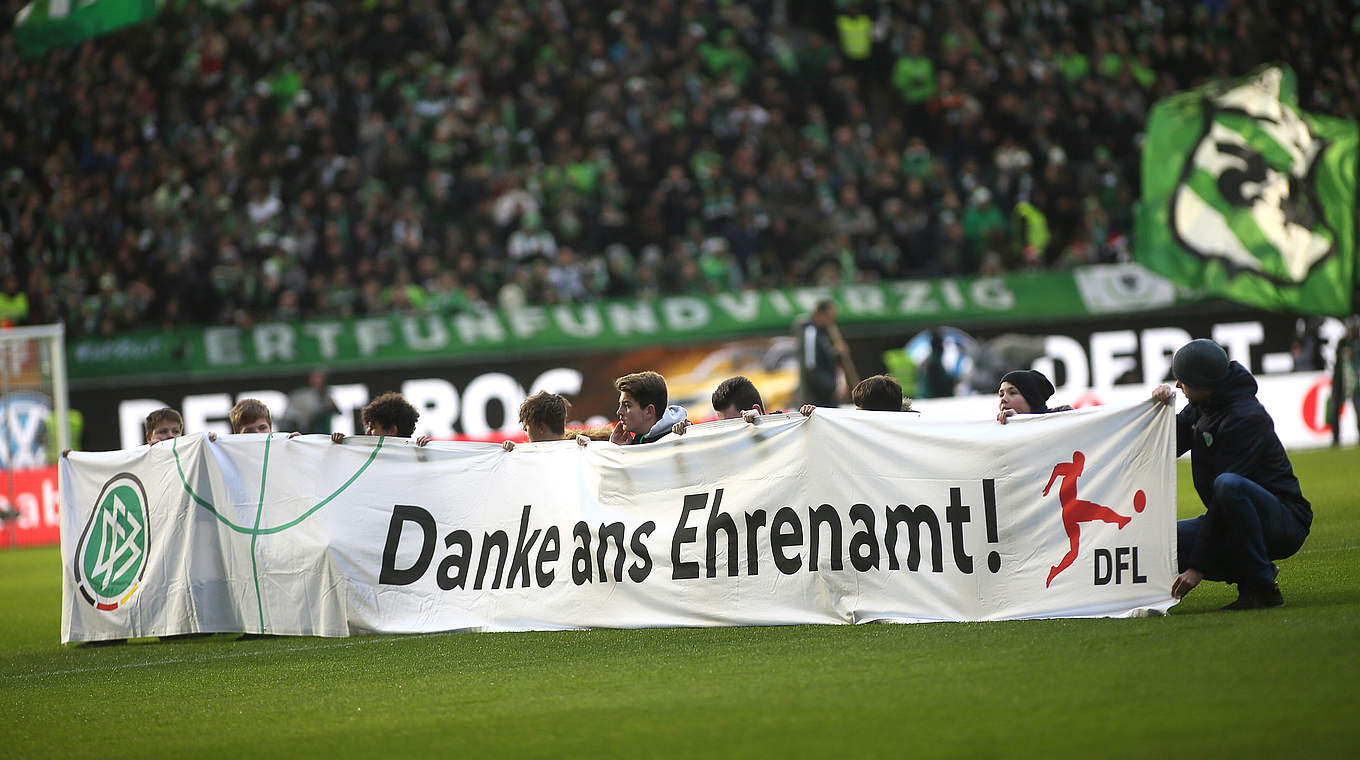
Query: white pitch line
[130,665]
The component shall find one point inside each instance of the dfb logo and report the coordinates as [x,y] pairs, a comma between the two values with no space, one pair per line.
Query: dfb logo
[112,554]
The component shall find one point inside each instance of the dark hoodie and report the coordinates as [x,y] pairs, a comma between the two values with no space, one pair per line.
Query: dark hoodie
[1232,432]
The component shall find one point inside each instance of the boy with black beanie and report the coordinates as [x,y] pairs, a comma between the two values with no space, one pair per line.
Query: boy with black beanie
[1033,386]
[1025,391]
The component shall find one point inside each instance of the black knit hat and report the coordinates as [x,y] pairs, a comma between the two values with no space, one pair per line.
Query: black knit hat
[1032,385]
[1201,363]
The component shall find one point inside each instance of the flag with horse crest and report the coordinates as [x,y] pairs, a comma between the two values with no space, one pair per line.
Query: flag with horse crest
[1248,197]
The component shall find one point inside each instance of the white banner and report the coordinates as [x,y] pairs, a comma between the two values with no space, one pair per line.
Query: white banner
[843,517]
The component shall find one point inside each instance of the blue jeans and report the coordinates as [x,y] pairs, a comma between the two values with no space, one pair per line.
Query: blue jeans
[1243,529]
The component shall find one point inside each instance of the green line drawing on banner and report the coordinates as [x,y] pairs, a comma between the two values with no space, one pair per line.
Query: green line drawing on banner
[277,528]
[255,533]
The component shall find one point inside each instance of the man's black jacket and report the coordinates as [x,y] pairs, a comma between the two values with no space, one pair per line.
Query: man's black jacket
[1232,432]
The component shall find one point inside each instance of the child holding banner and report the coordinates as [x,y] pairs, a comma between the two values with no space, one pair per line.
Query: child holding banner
[390,415]
[734,397]
[879,393]
[164,424]
[544,418]
[250,415]
[1025,391]
[645,414]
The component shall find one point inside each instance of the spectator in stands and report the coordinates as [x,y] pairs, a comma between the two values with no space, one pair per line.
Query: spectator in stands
[1255,511]
[272,158]
[1025,391]
[644,413]
[13,302]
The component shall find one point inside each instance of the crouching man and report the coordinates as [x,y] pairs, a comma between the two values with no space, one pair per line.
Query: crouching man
[1254,509]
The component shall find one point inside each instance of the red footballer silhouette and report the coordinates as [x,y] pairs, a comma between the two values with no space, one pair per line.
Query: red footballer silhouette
[1076,511]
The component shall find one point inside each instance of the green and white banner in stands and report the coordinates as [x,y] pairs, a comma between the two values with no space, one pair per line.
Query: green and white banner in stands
[427,338]
[42,25]
[1251,198]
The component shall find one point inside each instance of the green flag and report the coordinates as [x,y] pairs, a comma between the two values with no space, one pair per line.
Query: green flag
[1247,197]
[46,24]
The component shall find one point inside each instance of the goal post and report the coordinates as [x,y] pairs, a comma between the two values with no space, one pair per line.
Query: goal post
[34,408]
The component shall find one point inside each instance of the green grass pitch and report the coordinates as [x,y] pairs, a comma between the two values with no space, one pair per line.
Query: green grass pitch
[1198,683]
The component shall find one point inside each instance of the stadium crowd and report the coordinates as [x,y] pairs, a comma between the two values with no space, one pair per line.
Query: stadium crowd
[242,161]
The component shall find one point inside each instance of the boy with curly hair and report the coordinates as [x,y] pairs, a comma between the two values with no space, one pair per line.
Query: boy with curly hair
[391,415]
